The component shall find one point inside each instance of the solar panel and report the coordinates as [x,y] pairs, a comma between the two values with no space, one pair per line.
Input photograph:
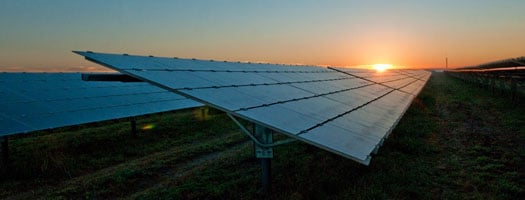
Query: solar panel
[345,111]
[37,101]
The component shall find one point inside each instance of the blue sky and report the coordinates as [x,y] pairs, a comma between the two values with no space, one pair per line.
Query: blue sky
[37,33]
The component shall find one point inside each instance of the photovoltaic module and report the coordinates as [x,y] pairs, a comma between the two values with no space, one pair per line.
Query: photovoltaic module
[38,101]
[346,111]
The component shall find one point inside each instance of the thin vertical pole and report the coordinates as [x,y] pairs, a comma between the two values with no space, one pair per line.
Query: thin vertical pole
[265,136]
[266,166]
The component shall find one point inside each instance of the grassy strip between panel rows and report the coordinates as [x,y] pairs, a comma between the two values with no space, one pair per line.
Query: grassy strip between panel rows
[456,141]
[44,159]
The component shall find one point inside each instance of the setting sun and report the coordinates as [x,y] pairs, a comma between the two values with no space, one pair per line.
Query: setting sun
[381,67]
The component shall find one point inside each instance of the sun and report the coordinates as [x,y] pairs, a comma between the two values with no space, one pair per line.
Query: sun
[381,67]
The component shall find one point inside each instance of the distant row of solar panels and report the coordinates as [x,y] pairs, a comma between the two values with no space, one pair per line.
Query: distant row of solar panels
[38,101]
[345,111]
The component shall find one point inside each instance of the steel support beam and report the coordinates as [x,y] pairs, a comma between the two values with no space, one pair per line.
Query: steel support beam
[266,166]
[263,144]
[265,136]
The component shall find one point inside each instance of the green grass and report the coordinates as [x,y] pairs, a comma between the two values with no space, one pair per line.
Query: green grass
[456,141]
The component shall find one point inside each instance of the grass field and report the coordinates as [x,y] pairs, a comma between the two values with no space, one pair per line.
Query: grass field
[456,141]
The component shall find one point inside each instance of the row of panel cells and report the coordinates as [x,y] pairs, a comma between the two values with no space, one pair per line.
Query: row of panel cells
[399,84]
[301,77]
[423,75]
[351,128]
[244,77]
[395,104]
[280,118]
[12,126]
[346,134]
[193,80]
[341,141]
[119,61]
[413,72]
[382,79]
[369,73]
[357,97]
[375,119]
[245,97]
[159,63]
[186,64]
[38,121]
[389,103]
[67,105]
[329,86]
[414,88]
[358,133]
[53,120]
[361,71]
[43,81]
[8,96]
[337,86]
[50,92]
[37,77]
[316,110]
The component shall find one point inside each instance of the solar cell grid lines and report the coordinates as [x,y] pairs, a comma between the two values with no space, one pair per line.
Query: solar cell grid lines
[345,111]
[37,101]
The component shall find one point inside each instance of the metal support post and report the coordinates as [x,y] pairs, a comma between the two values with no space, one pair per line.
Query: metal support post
[266,165]
[265,136]
[5,149]
[133,127]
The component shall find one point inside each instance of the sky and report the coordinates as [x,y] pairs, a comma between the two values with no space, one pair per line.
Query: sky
[39,35]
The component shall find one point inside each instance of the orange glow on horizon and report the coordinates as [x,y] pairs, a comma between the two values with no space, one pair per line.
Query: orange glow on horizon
[381,67]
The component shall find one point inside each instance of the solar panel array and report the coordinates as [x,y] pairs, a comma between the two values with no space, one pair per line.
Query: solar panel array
[37,101]
[345,111]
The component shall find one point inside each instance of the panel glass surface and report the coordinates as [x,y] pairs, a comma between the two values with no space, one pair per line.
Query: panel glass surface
[37,101]
[345,111]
